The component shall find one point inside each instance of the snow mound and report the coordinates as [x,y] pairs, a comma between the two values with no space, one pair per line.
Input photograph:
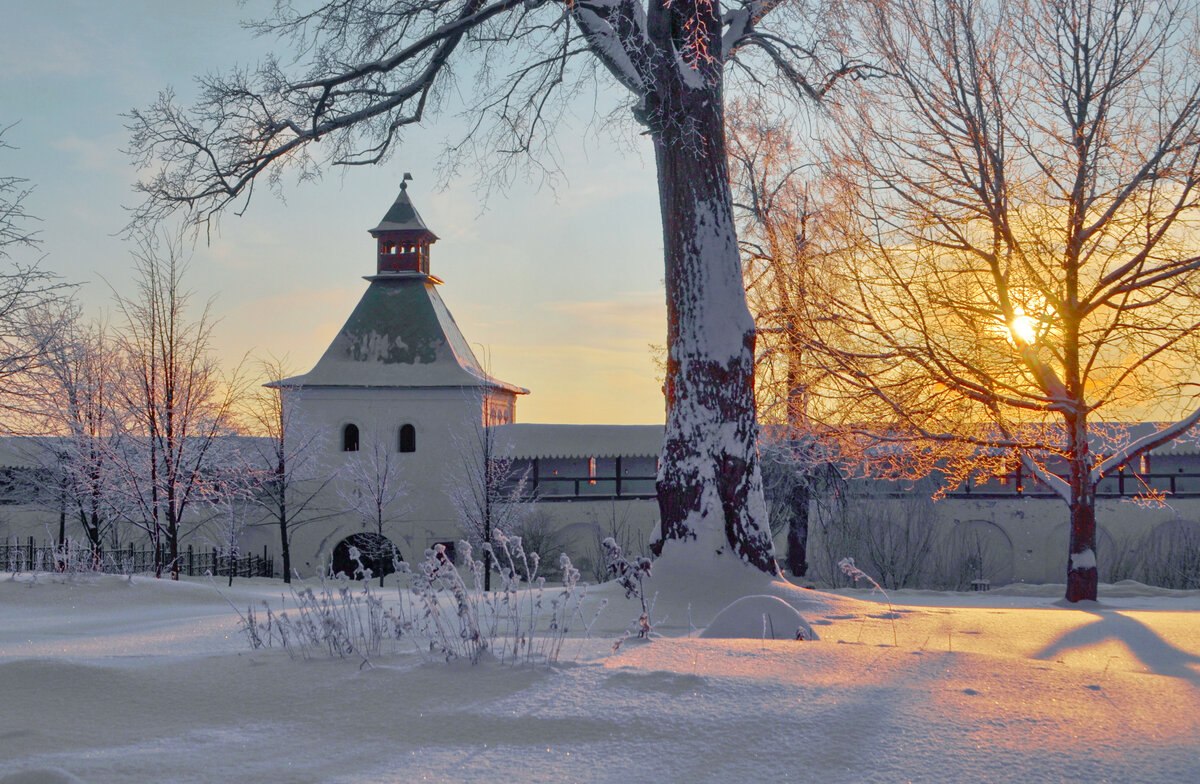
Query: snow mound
[690,582]
[759,617]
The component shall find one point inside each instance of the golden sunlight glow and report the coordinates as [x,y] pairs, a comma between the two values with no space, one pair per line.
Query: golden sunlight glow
[1024,330]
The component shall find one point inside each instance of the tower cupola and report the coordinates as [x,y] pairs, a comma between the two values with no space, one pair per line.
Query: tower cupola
[402,237]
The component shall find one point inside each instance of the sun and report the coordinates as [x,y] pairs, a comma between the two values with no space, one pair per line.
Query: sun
[1024,330]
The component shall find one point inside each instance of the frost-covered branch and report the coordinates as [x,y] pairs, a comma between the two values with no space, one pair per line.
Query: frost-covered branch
[14,220]
[1143,445]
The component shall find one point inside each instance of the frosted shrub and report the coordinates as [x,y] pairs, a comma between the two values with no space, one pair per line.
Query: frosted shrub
[336,621]
[439,614]
[1170,555]
[853,572]
[75,559]
[69,560]
[514,624]
[630,575]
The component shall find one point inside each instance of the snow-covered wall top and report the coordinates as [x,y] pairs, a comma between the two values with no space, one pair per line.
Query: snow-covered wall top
[524,441]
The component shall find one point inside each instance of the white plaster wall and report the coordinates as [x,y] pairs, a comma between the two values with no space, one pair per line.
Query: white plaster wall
[1036,530]
[445,420]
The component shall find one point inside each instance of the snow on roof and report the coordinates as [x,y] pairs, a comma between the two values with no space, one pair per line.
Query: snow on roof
[403,216]
[531,440]
[31,451]
[400,334]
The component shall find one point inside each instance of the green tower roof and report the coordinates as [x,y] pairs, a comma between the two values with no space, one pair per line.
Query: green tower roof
[400,335]
[403,216]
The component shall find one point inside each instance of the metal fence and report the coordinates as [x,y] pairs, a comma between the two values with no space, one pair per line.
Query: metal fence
[30,556]
[1123,484]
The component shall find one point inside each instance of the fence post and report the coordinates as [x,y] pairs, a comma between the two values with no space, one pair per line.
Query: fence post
[32,564]
[191,562]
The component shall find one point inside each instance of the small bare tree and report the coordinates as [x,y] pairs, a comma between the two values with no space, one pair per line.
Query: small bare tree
[74,391]
[228,496]
[289,478]
[373,491]
[488,492]
[176,400]
[782,213]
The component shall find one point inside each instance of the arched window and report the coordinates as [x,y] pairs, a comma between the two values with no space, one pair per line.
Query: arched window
[350,438]
[408,438]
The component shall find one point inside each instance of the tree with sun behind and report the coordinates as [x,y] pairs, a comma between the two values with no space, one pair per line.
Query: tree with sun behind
[1016,254]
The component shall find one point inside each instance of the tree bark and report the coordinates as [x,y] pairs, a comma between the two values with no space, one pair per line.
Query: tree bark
[1082,574]
[797,535]
[709,476]
[285,547]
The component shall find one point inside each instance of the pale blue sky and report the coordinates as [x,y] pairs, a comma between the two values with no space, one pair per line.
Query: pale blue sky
[562,286]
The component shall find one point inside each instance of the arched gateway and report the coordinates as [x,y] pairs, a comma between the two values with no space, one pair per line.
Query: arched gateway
[373,551]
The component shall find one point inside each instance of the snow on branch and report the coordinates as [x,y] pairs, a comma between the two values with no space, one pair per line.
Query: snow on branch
[1056,483]
[1145,444]
[739,22]
[616,34]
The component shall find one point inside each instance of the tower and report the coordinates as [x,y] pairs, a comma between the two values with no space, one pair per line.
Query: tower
[402,237]
[399,386]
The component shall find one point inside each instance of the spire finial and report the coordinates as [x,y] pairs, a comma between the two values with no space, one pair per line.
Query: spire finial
[404,182]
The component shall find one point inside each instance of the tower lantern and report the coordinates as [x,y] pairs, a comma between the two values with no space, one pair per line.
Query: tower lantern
[402,237]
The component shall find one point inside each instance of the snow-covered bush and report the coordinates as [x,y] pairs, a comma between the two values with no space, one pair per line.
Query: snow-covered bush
[630,575]
[854,573]
[439,614]
[1170,555]
[336,621]
[514,624]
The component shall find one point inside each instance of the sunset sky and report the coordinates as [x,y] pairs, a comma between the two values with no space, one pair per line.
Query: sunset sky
[560,286]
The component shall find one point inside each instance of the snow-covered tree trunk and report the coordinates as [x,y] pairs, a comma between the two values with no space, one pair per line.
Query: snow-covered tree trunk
[372,67]
[709,481]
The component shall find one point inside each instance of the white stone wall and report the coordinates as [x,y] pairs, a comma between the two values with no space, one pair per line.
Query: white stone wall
[1025,539]
[445,420]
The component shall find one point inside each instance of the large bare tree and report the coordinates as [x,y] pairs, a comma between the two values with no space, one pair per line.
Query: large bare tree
[368,68]
[29,297]
[1021,260]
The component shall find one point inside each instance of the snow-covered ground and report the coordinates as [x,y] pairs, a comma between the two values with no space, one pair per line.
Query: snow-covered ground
[110,680]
